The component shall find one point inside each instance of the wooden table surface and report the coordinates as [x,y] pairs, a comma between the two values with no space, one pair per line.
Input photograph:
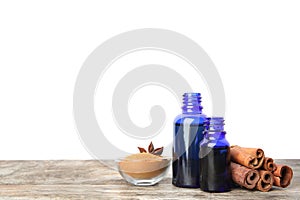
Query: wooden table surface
[91,179]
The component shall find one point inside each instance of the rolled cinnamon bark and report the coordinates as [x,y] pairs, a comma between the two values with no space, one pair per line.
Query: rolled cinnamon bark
[244,176]
[249,157]
[266,181]
[283,176]
[269,164]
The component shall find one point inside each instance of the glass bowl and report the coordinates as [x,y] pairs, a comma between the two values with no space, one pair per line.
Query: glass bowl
[143,172]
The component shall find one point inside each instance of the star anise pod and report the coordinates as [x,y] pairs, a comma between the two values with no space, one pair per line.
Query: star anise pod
[150,147]
[152,150]
[142,150]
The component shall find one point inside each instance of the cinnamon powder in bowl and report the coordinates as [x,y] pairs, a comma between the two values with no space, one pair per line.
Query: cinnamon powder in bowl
[143,168]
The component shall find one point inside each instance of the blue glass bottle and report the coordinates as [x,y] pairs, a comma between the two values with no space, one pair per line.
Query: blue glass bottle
[188,132]
[215,174]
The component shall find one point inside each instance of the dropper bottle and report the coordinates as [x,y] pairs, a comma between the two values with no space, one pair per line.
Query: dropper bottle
[215,174]
[188,132]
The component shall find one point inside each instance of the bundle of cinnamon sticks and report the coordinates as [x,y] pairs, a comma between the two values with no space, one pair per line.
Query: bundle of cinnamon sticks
[251,169]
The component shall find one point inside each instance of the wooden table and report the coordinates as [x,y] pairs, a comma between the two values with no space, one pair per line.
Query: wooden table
[70,179]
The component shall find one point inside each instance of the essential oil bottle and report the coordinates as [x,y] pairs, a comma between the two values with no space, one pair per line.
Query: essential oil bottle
[188,132]
[215,174]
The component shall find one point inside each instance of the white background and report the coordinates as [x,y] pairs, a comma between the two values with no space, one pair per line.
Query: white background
[255,46]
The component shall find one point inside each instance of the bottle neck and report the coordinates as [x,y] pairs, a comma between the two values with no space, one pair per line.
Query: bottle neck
[214,127]
[192,103]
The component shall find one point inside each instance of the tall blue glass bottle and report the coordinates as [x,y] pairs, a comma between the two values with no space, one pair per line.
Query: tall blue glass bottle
[215,174]
[188,133]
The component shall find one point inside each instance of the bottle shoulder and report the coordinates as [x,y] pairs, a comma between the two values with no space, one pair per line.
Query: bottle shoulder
[223,143]
[215,142]
[195,118]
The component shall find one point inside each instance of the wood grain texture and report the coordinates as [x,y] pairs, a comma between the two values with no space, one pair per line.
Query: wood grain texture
[93,180]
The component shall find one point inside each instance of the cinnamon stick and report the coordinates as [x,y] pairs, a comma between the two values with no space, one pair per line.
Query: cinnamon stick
[269,165]
[249,157]
[265,182]
[283,176]
[244,176]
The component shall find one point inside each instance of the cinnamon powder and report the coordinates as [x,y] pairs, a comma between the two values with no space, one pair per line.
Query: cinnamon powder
[143,165]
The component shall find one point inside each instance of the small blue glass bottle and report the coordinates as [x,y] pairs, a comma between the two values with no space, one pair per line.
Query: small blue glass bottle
[188,132]
[215,174]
